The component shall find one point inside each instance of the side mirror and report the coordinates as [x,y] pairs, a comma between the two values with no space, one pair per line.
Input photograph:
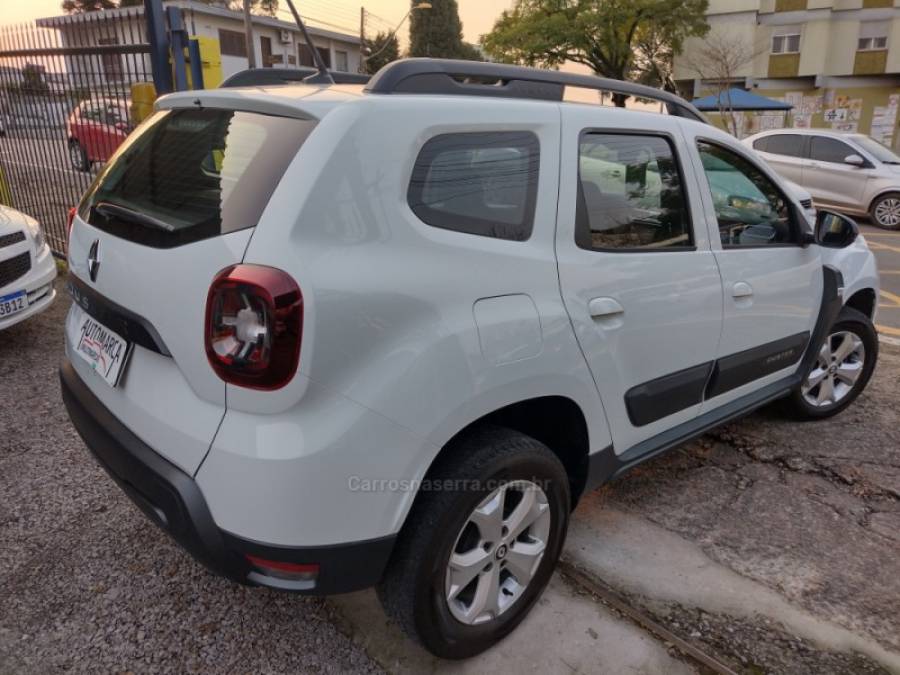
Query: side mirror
[854,160]
[834,230]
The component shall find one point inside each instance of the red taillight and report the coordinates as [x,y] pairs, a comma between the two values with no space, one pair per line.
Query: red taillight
[254,323]
[69,221]
[285,570]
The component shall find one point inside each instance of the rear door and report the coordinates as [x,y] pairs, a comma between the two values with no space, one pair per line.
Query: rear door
[785,153]
[637,274]
[772,282]
[829,179]
[174,206]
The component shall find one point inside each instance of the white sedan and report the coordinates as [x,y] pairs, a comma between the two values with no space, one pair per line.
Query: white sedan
[27,268]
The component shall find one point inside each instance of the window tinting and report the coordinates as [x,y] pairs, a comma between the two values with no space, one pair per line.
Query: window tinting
[790,145]
[191,174]
[630,194]
[762,144]
[479,183]
[824,149]
[750,209]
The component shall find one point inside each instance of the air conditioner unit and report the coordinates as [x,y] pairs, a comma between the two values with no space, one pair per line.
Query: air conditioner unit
[286,37]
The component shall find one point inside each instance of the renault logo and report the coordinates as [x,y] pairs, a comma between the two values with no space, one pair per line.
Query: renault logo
[93,261]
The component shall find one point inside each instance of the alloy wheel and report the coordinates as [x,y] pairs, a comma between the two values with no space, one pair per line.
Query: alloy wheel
[887,212]
[497,552]
[838,366]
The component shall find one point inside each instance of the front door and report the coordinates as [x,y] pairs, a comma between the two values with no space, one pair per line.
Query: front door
[637,274]
[829,179]
[772,282]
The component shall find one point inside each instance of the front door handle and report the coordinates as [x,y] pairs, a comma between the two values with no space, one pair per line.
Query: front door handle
[605,308]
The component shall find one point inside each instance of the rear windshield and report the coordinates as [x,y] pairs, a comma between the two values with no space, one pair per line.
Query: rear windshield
[192,174]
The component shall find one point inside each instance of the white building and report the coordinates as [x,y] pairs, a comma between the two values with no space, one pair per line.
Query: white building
[277,43]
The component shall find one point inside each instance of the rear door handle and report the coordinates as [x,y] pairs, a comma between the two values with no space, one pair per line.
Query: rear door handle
[741,289]
[605,308]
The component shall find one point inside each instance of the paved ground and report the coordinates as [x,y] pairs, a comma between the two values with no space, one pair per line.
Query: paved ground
[886,246]
[770,544]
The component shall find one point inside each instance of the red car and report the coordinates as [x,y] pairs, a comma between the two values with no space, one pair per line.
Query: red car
[96,128]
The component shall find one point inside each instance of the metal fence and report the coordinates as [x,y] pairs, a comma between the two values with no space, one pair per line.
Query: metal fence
[65,106]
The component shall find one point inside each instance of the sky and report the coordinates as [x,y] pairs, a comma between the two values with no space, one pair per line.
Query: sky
[478,16]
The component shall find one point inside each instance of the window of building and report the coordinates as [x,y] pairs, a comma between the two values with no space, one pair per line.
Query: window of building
[480,183]
[304,56]
[824,149]
[790,145]
[872,36]
[750,209]
[631,194]
[265,49]
[325,53]
[232,43]
[341,61]
[786,44]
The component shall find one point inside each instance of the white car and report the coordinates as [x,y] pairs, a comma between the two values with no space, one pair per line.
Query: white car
[27,268]
[331,337]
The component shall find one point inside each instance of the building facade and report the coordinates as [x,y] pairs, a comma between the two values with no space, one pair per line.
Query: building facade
[836,61]
[277,43]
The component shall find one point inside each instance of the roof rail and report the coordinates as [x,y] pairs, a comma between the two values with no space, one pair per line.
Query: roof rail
[261,77]
[447,76]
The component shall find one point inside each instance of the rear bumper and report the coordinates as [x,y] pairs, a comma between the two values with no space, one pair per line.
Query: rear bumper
[173,500]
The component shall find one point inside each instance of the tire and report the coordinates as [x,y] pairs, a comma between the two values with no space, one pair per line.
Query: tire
[414,591]
[885,211]
[850,325]
[78,157]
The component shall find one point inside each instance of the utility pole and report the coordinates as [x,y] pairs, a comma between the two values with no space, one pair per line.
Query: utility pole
[248,36]
[362,39]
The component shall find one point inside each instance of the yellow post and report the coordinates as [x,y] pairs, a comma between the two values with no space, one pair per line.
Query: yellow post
[211,60]
[143,94]
[5,194]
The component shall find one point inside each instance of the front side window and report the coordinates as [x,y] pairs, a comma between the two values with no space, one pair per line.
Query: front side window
[481,183]
[631,194]
[824,149]
[750,209]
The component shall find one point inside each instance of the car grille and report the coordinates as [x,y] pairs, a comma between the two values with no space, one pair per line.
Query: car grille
[10,239]
[806,203]
[15,267]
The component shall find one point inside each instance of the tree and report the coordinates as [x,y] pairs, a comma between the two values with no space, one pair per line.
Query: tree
[437,32]
[718,62]
[621,39]
[81,6]
[382,49]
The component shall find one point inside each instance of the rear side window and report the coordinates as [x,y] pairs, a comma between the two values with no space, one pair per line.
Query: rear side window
[187,175]
[478,183]
[630,194]
[789,145]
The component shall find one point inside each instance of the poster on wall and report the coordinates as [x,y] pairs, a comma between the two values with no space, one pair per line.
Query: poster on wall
[835,115]
[828,98]
[848,127]
[803,121]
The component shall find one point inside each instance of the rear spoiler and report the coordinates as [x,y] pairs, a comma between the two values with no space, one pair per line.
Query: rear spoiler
[267,77]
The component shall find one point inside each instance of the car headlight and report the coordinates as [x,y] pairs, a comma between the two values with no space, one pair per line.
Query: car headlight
[37,234]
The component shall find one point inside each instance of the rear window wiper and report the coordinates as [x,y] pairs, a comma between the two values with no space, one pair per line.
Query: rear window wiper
[108,209]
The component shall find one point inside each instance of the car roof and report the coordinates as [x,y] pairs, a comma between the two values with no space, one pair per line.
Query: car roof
[807,132]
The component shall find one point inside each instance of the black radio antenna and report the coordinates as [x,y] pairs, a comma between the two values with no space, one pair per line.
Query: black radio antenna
[323,76]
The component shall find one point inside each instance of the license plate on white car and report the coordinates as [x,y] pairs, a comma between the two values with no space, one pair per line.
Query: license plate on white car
[13,303]
[104,350]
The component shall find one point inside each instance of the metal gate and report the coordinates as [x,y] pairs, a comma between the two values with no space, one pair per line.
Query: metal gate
[65,106]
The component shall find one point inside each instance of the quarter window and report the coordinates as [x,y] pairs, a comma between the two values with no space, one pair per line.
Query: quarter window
[750,209]
[824,149]
[480,183]
[630,194]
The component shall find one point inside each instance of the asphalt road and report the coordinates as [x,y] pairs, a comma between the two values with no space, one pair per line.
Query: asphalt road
[886,246]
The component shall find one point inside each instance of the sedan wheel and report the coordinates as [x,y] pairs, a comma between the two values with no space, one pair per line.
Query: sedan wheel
[886,212]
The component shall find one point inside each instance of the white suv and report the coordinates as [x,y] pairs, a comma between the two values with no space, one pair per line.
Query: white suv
[331,337]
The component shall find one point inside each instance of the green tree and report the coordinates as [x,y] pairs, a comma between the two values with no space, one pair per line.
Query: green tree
[621,39]
[382,49]
[81,6]
[437,32]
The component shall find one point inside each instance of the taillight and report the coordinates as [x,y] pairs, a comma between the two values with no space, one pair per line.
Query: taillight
[254,323]
[69,221]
